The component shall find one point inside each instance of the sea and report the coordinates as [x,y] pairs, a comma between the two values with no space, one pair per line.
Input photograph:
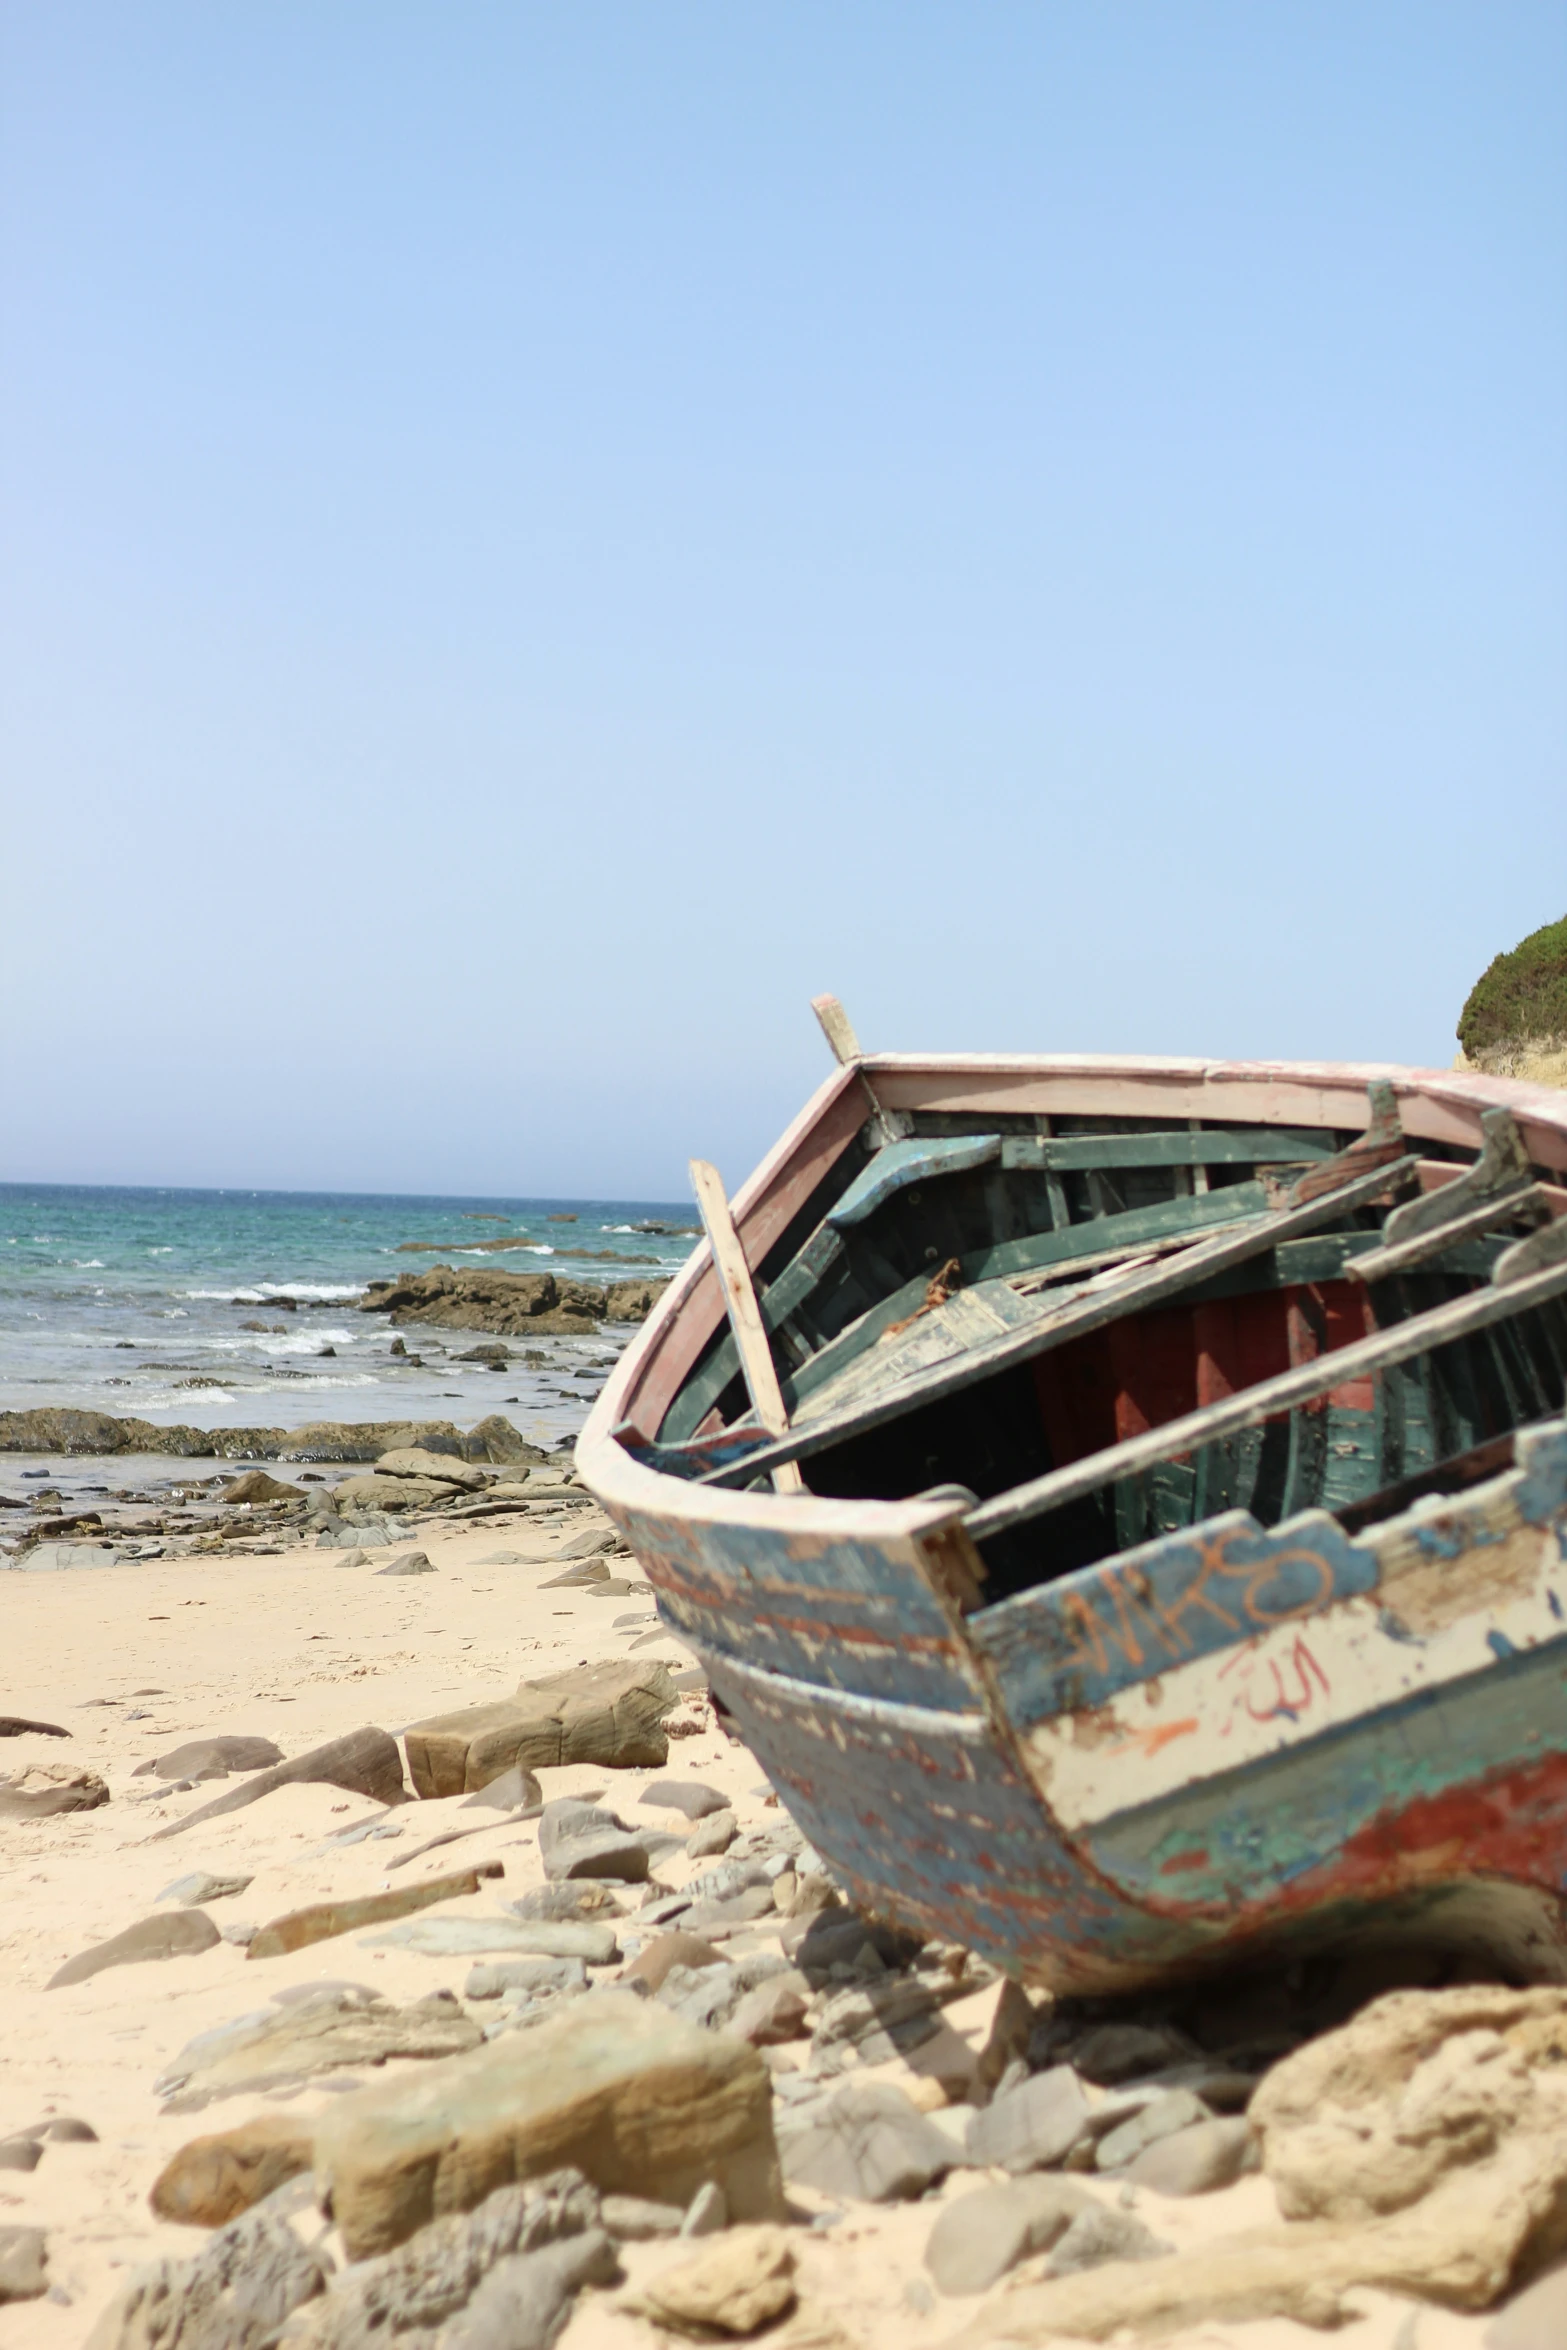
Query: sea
[224,1309]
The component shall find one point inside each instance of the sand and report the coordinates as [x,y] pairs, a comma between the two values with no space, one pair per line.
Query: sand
[300,1648]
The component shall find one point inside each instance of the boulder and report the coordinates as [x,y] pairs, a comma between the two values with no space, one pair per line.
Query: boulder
[236,2294]
[24,2264]
[212,1758]
[584,1840]
[773,2012]
[254,1486]
[979,2237]
[610,1715]
[632,1301]
[1112,2053]
[713,1835]
[413,1461]
[657,1961]
[483,1297]
[500,2277]
[734,2287]
[322,1920]
[580,1899]
[392,1496]
[180,1933]
[331,2029]
[365,1762]
[1197,2160]
[687,1796]
[491,1978]
[867,2141]
[212,2180]
[640,2102]
[412,1562]
[1162,2117]
[514,1790]
[1032,2126]
[44,1790]
[1100,2235]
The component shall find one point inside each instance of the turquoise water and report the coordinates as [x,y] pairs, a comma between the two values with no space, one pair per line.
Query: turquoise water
[135,1302]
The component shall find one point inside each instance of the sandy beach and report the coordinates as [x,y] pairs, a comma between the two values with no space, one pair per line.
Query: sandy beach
[299,1648]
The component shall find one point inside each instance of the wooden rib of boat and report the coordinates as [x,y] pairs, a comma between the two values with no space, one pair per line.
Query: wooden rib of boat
[1123,1504]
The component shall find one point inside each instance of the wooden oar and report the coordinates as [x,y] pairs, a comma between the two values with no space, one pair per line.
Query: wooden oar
[745,1319]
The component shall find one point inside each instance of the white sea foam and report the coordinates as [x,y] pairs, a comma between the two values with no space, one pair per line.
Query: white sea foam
[161,1252]
[88,1265]
[317,1292]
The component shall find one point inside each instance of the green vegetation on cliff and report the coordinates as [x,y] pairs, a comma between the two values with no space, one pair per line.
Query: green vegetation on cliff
[1521,998]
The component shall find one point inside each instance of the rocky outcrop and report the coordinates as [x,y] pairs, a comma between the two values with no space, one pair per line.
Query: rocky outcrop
[638,2100]
[235,2295]
[610,1714]
[98,1433]
[512,1305]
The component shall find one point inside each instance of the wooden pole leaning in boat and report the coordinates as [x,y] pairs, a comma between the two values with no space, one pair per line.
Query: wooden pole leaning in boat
[745,1317]
[848,1052]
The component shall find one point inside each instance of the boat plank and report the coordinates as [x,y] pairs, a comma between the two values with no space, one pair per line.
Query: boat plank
[745,1322]
[1237,1146]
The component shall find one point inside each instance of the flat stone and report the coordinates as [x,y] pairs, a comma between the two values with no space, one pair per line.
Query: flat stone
[514,1790]
[639,2101]
[712,1835]
[735,2287]
[412,1562]
[68,2129]
[364,1762]
[866,2140]
[584,1840]
[1112,2053]
[236,2294]
[1032,2126]
[412,1461]
[1197,2160]
[1536,2320]
[1099,2235]
[609,1715]
[254,1485]
[336,2030]
[182,1933]
[579,1577]
[491,1978]
[581,1897]
[1176,2110]
[203,1885]
[898,2005]
[212,2180]
[44,1790]
[773,2013]
[24,2264]
[594,1944]
[323,1920]
[979,2237]
[23,2154]
[212,1758]
[636,2219]
[654,1964]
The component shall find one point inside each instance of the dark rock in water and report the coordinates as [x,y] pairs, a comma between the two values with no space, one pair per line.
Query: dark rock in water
[235,2295]
[684,1795]
[365,1762]
[495,1354]
[181,1933]
[212,1758]
[534,1305]
[24,2264]
[45,1790]
[18,1726]
[412,1562]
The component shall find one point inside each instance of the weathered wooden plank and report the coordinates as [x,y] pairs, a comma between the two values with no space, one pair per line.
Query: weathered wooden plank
[756,1356]
[1377,1264]
[899,1165]
[1104,1299]
[1441,1326]
[1501,1169]
[1238,1146]
[838,1029]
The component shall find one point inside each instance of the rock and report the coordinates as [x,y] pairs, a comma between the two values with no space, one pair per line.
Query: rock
[393,1496]
[1099,2235]
[23,2154]
[594,1944]
[235,2295]
[514,1790]
[423,1466]
[634,2219]
[835,1937]
[412,1562]
[707,2213]
[24,2265]
[654,1964]
[979,2237]
[482,1297]
[254,1485]
[78,1432]
[899,2008]
[584,1840]
[1197,2160]
[1176,2110]
[1537,2320]
[866,2140]
[581,1899]
[585,1572]
[632,1301]
[1032,2126]
[18,1726]
[366,1762]
[1113,2053]
[489,1979]
[180,1934]
[68,2129]
[323,1920]
[639,2101]
[712,1835]
[212,1758]
[212,2180]
[44,1790]
[202,1886]
[496,1355]
[774,2012]
[334,2029]
[703,1995]
[734,2288]
[610,1715]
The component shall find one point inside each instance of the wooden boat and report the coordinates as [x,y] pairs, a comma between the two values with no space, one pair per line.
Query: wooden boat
[1140,1537]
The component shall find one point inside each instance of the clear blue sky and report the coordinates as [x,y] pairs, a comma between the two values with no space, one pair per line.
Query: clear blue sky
[536,538]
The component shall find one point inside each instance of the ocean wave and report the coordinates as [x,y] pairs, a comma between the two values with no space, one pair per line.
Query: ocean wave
[162,1252]
[88,1265]
[295,1342]
[318,1292]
